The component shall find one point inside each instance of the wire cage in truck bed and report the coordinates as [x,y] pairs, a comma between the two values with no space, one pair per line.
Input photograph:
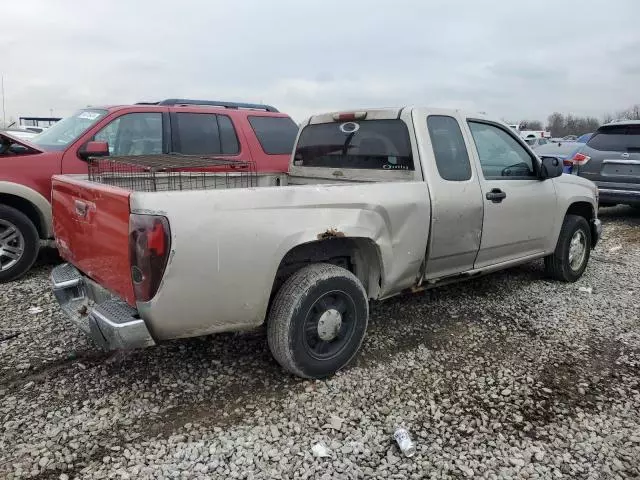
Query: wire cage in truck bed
[153,173]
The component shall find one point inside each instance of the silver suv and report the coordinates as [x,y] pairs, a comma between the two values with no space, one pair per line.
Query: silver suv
[611,159]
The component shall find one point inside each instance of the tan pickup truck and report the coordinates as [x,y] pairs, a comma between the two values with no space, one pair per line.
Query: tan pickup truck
[376,203]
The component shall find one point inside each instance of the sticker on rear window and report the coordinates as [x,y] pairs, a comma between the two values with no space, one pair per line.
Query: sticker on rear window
[89,115]
[349,127]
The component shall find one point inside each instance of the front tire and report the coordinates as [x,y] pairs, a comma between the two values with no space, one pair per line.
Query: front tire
[318,320]
[19,244]
[569,260]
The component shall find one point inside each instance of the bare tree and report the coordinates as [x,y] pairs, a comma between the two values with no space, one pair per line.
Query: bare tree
[631,113]
[561,125]
[556,124]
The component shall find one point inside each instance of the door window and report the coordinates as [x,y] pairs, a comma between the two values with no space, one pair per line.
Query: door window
[206,134]
[501,155]
[133,134]
[449,149]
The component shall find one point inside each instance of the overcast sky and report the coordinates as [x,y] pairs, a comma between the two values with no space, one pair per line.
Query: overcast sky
[511,59]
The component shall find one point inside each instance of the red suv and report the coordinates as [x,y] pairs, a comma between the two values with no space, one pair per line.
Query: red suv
[242,131]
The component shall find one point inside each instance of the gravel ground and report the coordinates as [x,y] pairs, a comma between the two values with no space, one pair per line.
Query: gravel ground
[508,376]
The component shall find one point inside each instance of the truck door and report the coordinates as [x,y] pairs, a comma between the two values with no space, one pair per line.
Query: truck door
[519,208]
[456,198]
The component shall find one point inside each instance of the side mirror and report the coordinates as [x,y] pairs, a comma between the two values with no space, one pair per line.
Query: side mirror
[551,167]
[93,149]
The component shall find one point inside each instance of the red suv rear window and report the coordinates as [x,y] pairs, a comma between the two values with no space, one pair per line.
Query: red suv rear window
[275,134]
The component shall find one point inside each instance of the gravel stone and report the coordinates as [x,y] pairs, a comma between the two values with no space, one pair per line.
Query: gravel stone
[507,376]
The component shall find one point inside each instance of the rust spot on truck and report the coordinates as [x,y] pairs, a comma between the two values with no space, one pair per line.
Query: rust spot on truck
[330,233]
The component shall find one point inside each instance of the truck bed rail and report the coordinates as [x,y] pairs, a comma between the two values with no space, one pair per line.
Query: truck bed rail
[152,173]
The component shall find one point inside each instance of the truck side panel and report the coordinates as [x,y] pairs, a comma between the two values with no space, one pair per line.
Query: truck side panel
[222,267]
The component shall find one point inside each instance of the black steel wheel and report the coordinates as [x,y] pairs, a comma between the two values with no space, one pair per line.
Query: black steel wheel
[318,320]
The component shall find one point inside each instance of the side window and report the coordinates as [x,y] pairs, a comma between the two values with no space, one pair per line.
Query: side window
[198,134]
[108,134]
[449,149]
[228,138]
[501,155]
[133,134]
[275,134]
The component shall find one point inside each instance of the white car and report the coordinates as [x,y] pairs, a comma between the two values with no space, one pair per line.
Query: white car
[536,142]
[26,134]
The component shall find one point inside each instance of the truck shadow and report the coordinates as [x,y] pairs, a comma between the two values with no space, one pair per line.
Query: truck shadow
[622,213]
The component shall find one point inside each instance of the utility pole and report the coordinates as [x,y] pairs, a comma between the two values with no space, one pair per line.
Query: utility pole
[4,112]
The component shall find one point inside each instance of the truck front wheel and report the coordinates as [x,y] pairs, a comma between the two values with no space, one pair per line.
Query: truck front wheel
[318,320]
[19,244]
[570,258]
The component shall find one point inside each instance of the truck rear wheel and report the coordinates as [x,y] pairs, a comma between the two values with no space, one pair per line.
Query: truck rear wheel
[318,320]
[570,258]
[19,244]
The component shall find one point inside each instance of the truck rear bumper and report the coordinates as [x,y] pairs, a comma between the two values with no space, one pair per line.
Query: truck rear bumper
[110,322]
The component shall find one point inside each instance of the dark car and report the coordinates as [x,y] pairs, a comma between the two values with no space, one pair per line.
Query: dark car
[611,159]
[584,138]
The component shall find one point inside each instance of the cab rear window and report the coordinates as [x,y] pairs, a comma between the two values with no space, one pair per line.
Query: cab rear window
[368,144]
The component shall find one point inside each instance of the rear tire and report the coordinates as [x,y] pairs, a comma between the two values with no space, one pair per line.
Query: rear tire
[19,244]
[318,320]
[569,260]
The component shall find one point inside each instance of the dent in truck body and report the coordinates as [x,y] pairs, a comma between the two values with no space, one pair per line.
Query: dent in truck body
[275,220]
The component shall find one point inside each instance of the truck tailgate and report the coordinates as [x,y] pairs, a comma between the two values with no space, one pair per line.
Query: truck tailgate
[91,227]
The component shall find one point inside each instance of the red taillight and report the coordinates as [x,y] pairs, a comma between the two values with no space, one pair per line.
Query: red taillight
[349,116]
[580,159]
[149,245]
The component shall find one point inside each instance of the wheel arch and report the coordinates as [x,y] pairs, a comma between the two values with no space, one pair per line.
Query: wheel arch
[360,255]
[587,211]
[29,202]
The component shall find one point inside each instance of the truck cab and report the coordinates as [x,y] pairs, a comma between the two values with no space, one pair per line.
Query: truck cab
[247,132]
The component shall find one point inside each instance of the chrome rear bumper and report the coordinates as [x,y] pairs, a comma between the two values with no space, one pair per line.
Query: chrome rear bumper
[110,322]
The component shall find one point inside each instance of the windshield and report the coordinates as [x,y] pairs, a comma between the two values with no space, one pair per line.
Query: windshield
[530,141]
[373,144]
[62,133]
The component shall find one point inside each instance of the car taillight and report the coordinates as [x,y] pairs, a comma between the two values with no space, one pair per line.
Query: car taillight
[149,246]
[580,159]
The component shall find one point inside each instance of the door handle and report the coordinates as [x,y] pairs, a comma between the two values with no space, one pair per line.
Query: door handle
[496,195]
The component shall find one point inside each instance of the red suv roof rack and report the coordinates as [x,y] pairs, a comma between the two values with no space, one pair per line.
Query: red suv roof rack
[213,103]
